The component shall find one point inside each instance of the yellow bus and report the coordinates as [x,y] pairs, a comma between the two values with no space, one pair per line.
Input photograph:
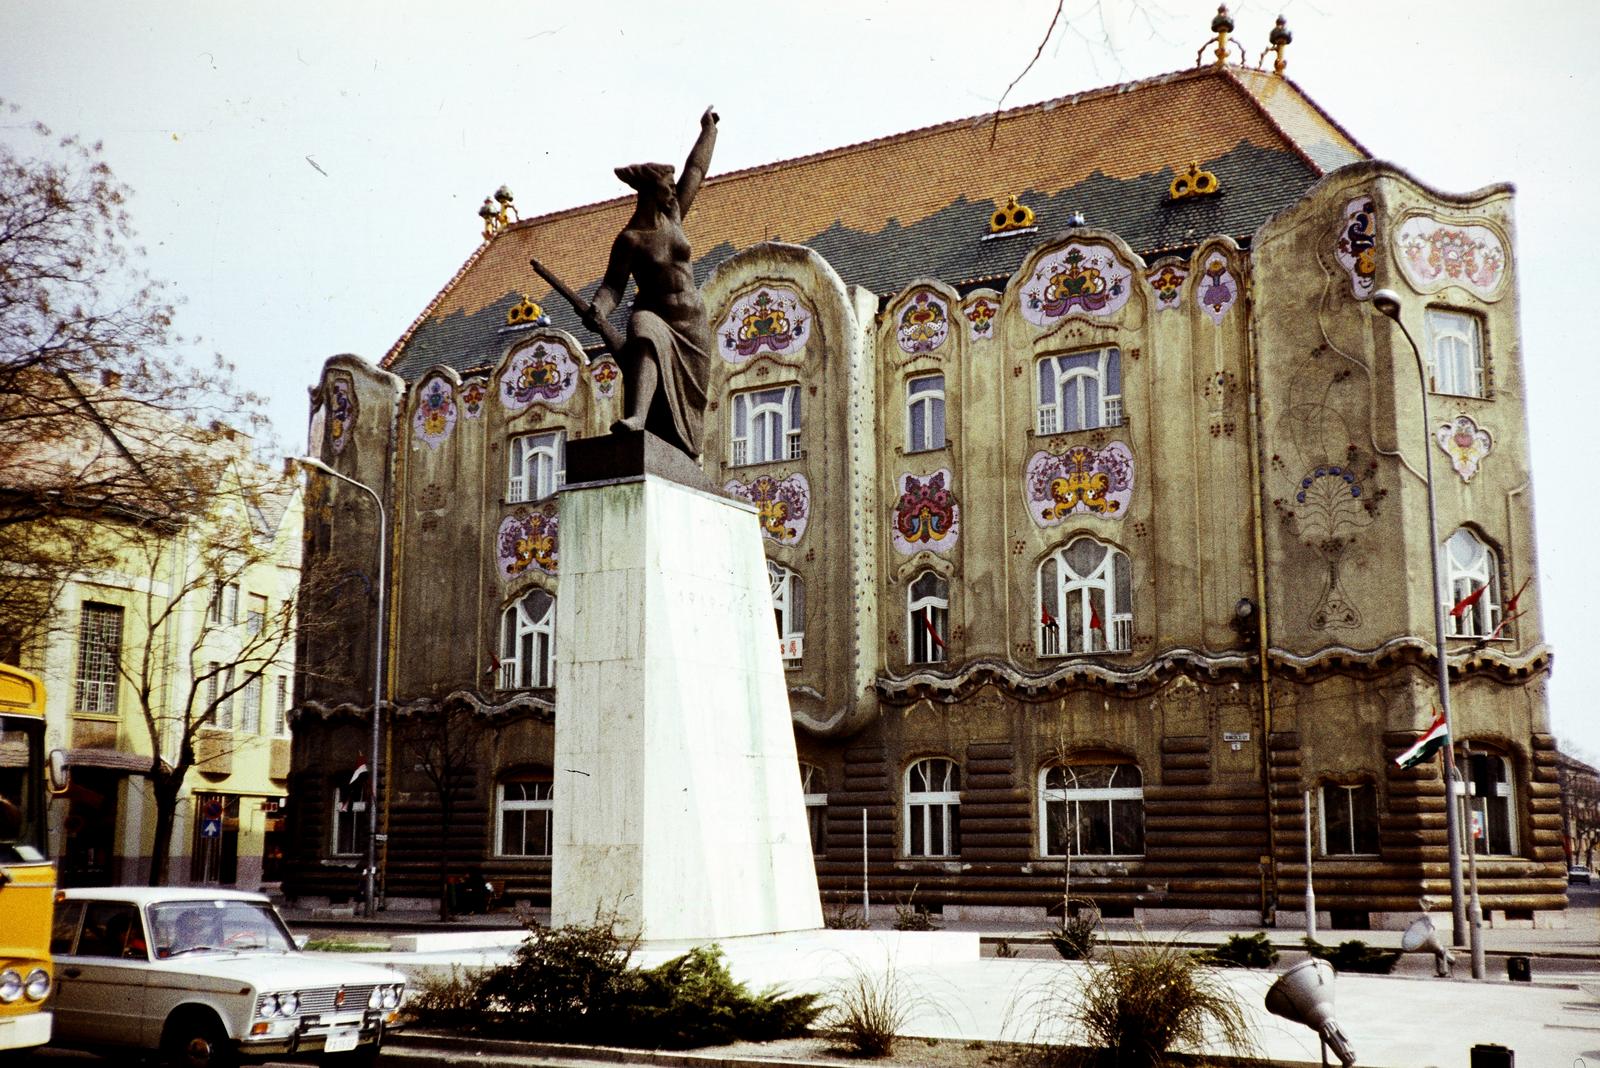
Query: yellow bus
[27,879]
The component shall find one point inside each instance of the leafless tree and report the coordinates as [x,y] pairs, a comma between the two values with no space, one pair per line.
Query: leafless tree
[444,745]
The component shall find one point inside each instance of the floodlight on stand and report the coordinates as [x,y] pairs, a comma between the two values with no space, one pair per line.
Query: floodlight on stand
[1304,994]
[1421,936]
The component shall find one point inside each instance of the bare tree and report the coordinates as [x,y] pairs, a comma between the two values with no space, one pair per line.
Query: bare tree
[444,746]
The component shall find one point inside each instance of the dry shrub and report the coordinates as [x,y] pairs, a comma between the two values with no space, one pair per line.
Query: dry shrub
[865,1012]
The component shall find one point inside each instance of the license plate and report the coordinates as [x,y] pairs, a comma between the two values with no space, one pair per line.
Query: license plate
[340,1041]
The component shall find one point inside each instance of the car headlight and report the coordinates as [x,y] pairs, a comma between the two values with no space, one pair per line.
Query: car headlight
[268,1006]
[391,997]
[276,1005]
[288,1004]
[375,999]
[37,985]
[10,985]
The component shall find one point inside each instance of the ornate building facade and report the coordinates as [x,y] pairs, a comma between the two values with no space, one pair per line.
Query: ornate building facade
[1092,486]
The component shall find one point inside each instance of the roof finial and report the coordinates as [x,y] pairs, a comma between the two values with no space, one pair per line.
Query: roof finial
[1222,26]
[496,219]
[1277,41]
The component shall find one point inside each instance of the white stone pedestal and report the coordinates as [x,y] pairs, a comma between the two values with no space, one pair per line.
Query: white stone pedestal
[677,793]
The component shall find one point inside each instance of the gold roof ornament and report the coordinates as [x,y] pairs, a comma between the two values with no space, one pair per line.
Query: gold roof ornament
[1222,26]
[1013,216]
[1277,41]
[526,313]
[1194,183]
[497,219]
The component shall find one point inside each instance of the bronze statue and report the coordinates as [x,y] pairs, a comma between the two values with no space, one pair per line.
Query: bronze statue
[666,356]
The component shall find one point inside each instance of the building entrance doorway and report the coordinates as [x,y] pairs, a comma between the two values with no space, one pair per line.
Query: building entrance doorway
[216,839]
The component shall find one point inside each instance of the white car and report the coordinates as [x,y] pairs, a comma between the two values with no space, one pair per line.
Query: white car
[207,978]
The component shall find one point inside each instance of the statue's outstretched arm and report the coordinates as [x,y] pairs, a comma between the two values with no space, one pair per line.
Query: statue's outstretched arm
[694,168]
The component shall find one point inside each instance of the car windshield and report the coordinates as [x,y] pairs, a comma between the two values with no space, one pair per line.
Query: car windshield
[180,927]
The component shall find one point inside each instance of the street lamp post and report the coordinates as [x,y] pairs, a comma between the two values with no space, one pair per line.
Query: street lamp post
[1387,302]
[369,888]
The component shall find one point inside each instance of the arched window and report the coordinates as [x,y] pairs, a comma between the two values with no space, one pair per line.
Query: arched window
[1091,809]
[1472,609]
[1085,600]
[814,788]
[1349,819]
[1455,352]
[524,805]
[1491,797]
[928,618]
[925,413]
[766,425]
[1080,391]
[933,808]
[538,466]
[528,642]
[789,607]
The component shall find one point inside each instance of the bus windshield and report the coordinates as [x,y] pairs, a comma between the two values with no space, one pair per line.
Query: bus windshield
[22,827]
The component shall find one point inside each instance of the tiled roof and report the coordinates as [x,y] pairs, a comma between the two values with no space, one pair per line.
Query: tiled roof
[917,204]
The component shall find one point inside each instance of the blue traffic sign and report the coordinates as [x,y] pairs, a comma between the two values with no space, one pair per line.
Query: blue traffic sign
[210,828]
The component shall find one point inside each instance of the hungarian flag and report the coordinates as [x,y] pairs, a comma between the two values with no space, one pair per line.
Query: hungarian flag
[1467,602]
[1435,738]
[1045,618]
[361,769]
[927,624]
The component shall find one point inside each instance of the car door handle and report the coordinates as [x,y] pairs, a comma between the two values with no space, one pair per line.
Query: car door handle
[72,973]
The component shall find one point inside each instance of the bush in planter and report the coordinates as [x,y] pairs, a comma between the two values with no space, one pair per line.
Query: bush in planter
[1241,951]
[1355,956]
[1075,935]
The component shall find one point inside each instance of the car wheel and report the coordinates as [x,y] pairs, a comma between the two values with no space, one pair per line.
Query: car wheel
[197,1040]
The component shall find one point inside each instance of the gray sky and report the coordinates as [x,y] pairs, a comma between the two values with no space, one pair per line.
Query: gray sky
[307,176]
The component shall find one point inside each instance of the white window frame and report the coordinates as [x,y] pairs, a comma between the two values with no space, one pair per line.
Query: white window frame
[1344,794]
[925,608]
[219,713]
[96,684]
[528,645]
[536,466]
[1492,791]
[539,806]
[1455,352]
[925,413]
[349,814]
[1063,382]
[1068,598]
[788,609]
[933,808]
[1060,801]
[814,791]
[250,705]
[1471,564]
[255,614]
[766,425]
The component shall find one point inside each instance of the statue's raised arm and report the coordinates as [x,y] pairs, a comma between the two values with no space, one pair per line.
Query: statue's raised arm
[699,161]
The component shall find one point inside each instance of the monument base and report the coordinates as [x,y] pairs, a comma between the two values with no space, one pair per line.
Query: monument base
[677,795]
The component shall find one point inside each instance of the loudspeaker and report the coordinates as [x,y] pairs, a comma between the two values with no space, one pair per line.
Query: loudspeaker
[1421,936]
[1304,994]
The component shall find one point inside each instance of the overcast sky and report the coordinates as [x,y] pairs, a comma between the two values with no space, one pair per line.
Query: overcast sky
[307,175]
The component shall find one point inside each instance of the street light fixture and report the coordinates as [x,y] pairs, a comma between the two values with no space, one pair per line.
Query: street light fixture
[1463,915]
[369,889]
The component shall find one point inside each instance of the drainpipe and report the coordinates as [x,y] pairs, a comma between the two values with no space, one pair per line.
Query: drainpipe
[1263,618]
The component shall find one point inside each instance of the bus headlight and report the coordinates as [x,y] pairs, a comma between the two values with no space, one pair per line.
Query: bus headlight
[10,985]
[37,985]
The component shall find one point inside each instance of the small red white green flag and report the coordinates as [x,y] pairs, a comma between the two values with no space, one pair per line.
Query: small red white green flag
[1435,738]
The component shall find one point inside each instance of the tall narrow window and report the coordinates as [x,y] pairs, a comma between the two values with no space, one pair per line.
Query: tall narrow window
[814,788]
[1455,352]
[1491,797]
[1091,810]
[526,811]
[219,699]
[250,705]
[1080,391]
[255,615]
[933,808]
[1349,819]
[528,642]
[928,618]
[789,607]
[349,823]
[1085,600]
[280,708]
[538,466]
[1472,609]
[99,659]
[925,413]
[766,425]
